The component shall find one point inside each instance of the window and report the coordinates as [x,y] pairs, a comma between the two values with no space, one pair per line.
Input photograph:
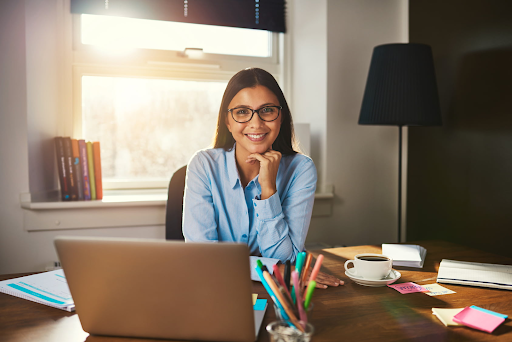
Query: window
[150,102]
[167,35]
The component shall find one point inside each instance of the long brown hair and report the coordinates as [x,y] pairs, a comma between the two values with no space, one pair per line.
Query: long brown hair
[249,78]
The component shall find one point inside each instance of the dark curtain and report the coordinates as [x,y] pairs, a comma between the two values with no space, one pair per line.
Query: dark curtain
[255,14]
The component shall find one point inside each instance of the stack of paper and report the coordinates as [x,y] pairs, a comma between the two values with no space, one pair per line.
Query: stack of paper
[48,288]
[476,274]
[405,255]
[473,317]
[478,318]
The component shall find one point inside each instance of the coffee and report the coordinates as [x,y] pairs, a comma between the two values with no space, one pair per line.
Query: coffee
[371,258]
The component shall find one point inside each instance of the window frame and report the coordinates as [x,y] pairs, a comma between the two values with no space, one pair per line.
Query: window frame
[157,64]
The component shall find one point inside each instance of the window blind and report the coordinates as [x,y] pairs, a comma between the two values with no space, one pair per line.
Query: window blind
[254,14]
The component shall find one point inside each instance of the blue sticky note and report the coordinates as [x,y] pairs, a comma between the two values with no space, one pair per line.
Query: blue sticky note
[260,304]
[489,312]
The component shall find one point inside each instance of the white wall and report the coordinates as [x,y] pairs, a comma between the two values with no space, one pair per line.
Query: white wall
[35,98]
[333,42]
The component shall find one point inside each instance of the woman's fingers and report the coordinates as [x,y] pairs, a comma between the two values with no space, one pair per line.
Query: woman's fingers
[327,279]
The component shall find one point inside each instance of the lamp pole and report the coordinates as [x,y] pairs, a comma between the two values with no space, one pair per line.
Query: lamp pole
[400,183]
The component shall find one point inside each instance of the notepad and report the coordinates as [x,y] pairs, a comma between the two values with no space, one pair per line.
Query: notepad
[446,315]
[48,288]
[259,313]
[479,319]
[475,274]
[269,262]
[405,255]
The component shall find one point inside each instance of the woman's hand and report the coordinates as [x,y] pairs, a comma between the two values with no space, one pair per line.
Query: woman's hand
[269,165]
[323,280]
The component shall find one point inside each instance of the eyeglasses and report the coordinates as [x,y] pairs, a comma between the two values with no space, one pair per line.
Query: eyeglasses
[244,114]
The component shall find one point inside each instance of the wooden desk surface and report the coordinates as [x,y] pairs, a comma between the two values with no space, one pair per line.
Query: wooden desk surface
[346,313]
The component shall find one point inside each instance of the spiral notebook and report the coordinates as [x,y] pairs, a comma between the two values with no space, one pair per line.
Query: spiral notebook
[48,288]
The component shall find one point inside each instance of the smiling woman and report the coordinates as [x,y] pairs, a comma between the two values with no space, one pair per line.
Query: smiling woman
[252,187]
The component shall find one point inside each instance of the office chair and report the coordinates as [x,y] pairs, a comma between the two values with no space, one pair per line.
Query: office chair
[174,209]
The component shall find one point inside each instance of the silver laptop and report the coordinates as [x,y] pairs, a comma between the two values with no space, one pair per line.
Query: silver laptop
[161,289]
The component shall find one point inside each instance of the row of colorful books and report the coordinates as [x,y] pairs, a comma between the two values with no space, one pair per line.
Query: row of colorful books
[79,166]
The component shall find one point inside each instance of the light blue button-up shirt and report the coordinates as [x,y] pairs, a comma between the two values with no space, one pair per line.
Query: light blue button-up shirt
[218,208]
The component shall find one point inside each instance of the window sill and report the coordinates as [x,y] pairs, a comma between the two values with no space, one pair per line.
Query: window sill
[119,208]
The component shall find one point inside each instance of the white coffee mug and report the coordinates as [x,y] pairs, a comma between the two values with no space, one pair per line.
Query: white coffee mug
[369,266]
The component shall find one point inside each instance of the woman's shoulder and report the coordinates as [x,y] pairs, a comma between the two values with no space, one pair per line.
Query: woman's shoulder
[298,160]
[298,163]
[207,156]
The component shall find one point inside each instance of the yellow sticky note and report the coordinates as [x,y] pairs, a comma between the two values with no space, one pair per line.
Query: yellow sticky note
[446,315]
[436,290]
[254,297]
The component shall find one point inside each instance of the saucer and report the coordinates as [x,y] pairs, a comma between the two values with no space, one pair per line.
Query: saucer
[393,276]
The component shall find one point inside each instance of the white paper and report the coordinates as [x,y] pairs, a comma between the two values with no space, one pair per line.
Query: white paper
[405,255]
[437,290]
[269,262]
[49,288]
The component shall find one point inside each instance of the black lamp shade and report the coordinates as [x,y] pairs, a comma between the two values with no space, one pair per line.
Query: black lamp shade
[401,88]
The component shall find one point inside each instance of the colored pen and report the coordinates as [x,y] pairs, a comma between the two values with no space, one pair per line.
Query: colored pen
[260,264]
[304,274]
[280,279]
[287,309]
[286,296]
[302,313]
[298,266]
[299,262]
[315,271]
[270,292]
[309,293]
[287,274]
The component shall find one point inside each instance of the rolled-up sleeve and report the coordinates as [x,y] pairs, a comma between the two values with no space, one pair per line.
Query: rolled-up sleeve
[283,223]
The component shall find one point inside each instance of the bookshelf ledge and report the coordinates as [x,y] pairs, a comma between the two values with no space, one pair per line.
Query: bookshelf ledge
[118,208]
[108,201]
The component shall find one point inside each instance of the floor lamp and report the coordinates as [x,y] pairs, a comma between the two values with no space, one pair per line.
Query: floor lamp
[401,90]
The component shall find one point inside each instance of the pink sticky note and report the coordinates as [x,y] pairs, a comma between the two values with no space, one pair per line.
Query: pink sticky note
[409,287]
[477,319]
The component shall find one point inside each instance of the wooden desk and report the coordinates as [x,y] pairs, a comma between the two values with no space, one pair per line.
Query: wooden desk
[346,313]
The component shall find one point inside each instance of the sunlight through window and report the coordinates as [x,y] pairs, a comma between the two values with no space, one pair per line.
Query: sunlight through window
[122,33]
[148,128]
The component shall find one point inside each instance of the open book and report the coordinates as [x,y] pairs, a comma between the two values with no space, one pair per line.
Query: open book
[475,274]
[48,288]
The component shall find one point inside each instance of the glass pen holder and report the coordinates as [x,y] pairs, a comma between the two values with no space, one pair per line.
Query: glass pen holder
[284,331]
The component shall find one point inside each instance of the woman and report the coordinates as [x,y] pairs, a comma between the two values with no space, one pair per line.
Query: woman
[252,187]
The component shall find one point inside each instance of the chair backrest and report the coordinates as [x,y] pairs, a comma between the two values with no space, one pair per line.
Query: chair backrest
[174,209]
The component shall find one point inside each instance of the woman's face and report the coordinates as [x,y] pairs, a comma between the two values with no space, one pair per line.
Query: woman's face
[256,135]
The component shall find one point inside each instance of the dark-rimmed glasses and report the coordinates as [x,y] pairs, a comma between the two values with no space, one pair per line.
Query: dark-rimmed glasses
[244,114]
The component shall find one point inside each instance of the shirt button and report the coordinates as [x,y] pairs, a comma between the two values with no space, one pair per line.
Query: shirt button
[255,204]
[244,236]
[257,215]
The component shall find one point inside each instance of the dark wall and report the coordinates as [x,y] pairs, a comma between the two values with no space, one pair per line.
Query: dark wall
[460,174]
